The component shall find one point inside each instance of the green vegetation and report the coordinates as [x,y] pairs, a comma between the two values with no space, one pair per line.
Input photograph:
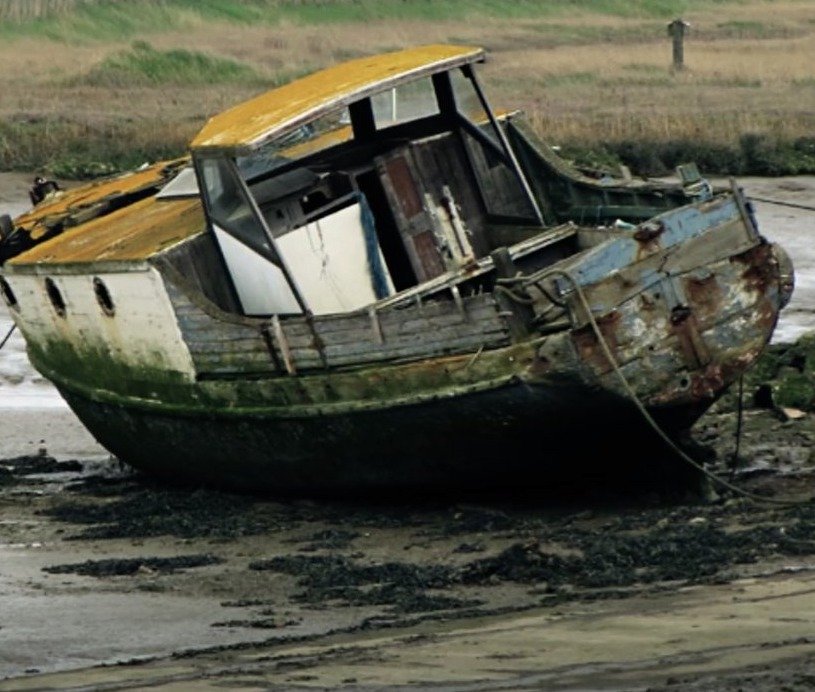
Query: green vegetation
[110,20]
[593,76]
[751,154]
[78,150]
[144,65]
[741,29]
[788,371]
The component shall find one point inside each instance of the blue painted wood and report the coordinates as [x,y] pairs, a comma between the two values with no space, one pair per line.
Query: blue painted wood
[679,226]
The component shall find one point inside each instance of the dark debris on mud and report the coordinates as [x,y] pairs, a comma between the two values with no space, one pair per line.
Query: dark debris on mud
[19,469]
[339,580]
[454,552]
[139,565]
[564,558]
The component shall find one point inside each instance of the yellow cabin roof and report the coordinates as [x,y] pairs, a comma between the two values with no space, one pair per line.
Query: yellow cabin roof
[135,232]
[250,124]
[79,204]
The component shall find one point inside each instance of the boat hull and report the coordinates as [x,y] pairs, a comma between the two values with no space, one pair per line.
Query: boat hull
[531,438]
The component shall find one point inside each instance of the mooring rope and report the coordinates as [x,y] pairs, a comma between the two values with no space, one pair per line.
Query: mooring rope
[753,198]
[8,336]
[539,276]
[739,423]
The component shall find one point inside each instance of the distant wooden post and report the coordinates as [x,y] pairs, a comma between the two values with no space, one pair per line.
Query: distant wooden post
[677,29]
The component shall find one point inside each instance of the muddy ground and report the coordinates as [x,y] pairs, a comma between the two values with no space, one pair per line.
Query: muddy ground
[185,587]
[110,581]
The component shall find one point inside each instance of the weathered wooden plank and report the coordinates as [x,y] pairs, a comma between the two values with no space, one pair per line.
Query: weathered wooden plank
[237,344]
[406,336]
[399,331]
[434,313]
[367,353]
[468,345]
[224,346]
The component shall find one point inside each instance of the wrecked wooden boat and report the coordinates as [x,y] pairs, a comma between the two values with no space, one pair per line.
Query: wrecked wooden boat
[369,278]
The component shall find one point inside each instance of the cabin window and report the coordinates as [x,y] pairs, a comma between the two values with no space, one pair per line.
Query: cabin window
[229,207]
[55,296]
[405,102]
[103,297]
[469,105]
[326,131]
[8,294]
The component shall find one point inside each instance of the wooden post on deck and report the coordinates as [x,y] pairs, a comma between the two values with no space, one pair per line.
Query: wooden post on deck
[519,315]
[677,29]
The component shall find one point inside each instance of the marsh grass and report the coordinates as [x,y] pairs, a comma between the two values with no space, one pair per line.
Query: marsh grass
[77,150]
[95,20]
[593,76]
[144,65]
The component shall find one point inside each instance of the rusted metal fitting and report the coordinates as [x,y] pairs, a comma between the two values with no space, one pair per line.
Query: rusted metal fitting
[649,231]
[679,314]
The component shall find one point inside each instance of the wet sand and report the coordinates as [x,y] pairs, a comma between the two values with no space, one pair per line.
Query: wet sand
[194,589]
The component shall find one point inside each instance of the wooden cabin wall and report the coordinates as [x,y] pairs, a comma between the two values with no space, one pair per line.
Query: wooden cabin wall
[502,193]
[227,346]
[442,161]
[199,261]
[417,178]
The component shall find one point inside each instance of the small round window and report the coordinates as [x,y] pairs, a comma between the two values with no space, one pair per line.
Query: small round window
[55,296]
[103,297]
[8,294]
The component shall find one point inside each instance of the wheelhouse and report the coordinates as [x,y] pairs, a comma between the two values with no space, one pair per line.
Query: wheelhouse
[360,181]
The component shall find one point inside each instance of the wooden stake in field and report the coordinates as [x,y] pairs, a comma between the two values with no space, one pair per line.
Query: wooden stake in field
[677,29]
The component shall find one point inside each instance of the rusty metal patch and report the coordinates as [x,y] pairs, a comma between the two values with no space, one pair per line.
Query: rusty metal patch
[589,349]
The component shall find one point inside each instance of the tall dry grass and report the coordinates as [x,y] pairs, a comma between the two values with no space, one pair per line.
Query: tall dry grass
[24,10]
[590,81]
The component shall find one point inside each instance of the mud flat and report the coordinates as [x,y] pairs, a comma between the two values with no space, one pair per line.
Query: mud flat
[109,581]
[192,588]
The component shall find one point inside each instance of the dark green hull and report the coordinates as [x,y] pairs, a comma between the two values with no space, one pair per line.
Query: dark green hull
[513,437]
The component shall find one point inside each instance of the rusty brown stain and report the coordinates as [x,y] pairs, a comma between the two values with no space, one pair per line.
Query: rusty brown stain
[707,383]
[405,186]
[589,349]
[761,267]
[425,244]
[647,237]
[539,366]
[647,301]
[705,295]
[648,231]
[685,328]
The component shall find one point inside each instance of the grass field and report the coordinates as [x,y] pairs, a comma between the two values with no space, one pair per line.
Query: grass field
[90,86]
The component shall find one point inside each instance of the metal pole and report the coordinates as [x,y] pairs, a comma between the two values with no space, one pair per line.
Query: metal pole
[259,217]
[516,167]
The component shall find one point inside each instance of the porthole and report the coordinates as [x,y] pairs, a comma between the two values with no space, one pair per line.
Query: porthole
[55,296]
[8,294]
[103,297]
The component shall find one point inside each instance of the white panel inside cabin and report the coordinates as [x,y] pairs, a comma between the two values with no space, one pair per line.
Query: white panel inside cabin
[329,262]
[261,286]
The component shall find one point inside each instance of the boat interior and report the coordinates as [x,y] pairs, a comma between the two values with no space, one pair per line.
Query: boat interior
[402,192]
